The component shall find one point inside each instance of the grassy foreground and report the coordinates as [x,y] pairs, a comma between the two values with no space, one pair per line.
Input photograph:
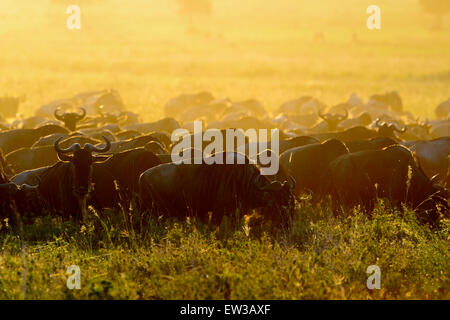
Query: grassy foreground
[320,257]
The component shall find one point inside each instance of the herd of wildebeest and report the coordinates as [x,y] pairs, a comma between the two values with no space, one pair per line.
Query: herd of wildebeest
[90,150]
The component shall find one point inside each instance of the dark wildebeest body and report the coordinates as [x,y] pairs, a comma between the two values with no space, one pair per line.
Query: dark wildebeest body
[165,125]
[283,145]
[20,138]
[372,144]
[124,168]
[29,177]
[139,142]
[391,173]
[307,164]
[28,159]
[352,134]
[16,202]
[181,190]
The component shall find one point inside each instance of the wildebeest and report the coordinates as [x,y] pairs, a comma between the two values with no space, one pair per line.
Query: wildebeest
[16,202]
[370,144]
[388,129]
[360,178]
[390,99]
[166,125]
[74,137]
[110,99]
[70,119]
[363,119]
[49,140]
[432,155]
[441,130]
[308,163]
[355,133]
[64,187]
[32,158]
[283,145]
[177,105]
[27,159]
[251,107]
[208,112]
[115,181]
[418,130]
[29,177]
[301,106]
[182,190]
[333,119]
[139,142]
[19,138]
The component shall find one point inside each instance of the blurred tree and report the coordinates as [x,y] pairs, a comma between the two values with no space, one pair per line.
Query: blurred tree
[195,7]
[438,8]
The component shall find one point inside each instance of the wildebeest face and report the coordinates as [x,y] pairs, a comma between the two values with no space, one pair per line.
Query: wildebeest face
[70,119]
[81,164]
[275,197]
[333,120]
[82,172]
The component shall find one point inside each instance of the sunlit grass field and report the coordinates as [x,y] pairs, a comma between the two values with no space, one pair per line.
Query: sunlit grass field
[247,49]
[318,257]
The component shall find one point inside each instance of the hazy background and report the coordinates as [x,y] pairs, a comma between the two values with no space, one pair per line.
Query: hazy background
[245,49]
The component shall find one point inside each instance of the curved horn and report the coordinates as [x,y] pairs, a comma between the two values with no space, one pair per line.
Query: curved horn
[74,147]
[81,116]
[377,122]
[397,129]
[57,116]
[92,148]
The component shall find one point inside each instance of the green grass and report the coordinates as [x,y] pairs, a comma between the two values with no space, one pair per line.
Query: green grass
[319,257]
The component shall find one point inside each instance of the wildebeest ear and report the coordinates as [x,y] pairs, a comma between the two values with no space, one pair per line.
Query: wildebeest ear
[100,158]
[64,157]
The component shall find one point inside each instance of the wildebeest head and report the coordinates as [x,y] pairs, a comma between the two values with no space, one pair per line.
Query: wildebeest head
[391,99]
[388,129]
[278,198]
[81,163]
[110,117]
[420,129]
[70,119]
[421,193]
[333,120]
